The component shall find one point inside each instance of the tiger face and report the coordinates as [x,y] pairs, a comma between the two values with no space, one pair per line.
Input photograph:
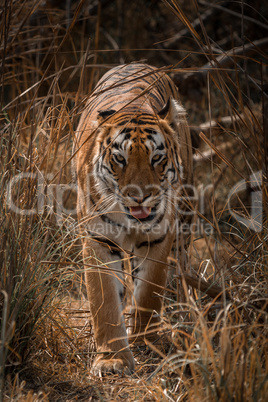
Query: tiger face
[138,166]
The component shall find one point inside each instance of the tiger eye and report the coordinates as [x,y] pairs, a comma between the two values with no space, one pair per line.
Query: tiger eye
[156,158]
[119,159]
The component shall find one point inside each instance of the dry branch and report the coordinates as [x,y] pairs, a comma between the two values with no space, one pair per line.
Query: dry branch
[196,80]
[226,58]
[198,283]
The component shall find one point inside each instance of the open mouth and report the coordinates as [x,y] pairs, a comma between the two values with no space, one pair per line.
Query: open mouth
[141,213]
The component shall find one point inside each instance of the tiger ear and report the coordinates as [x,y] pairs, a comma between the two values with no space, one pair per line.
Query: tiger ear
[172,111]
[104,114]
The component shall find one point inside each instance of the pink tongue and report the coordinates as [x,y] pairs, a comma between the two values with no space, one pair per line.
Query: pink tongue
[140,212]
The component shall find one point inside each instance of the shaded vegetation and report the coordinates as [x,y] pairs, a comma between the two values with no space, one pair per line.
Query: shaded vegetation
[213,342]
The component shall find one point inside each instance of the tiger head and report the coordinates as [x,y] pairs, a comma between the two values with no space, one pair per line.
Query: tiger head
[138,166]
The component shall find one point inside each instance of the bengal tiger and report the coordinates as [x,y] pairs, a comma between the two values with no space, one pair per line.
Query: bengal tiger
[133,154]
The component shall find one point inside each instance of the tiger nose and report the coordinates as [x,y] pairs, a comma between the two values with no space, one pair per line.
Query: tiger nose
[140,199]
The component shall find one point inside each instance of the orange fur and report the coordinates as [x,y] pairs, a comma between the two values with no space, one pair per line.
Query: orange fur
[132,155]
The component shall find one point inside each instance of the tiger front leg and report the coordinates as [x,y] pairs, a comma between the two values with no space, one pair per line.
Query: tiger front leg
[104,287]
[149,276]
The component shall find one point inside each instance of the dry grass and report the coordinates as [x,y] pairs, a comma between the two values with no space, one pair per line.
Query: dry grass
[213,341]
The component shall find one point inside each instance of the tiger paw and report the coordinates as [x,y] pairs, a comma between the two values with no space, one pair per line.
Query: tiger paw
[123,364]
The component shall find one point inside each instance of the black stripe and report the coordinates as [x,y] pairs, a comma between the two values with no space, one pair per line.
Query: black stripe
[139,122]
[164,166]
[147,149]
[127,136]
[171,170]
[93,201]
[115,145]
[160,147]
[150,131]
[105,167]
[152,243]
[110,244]
[171,87]
[134,270]
[156,98]
[151,138]
[156,222]
[110,221]
[113,170]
